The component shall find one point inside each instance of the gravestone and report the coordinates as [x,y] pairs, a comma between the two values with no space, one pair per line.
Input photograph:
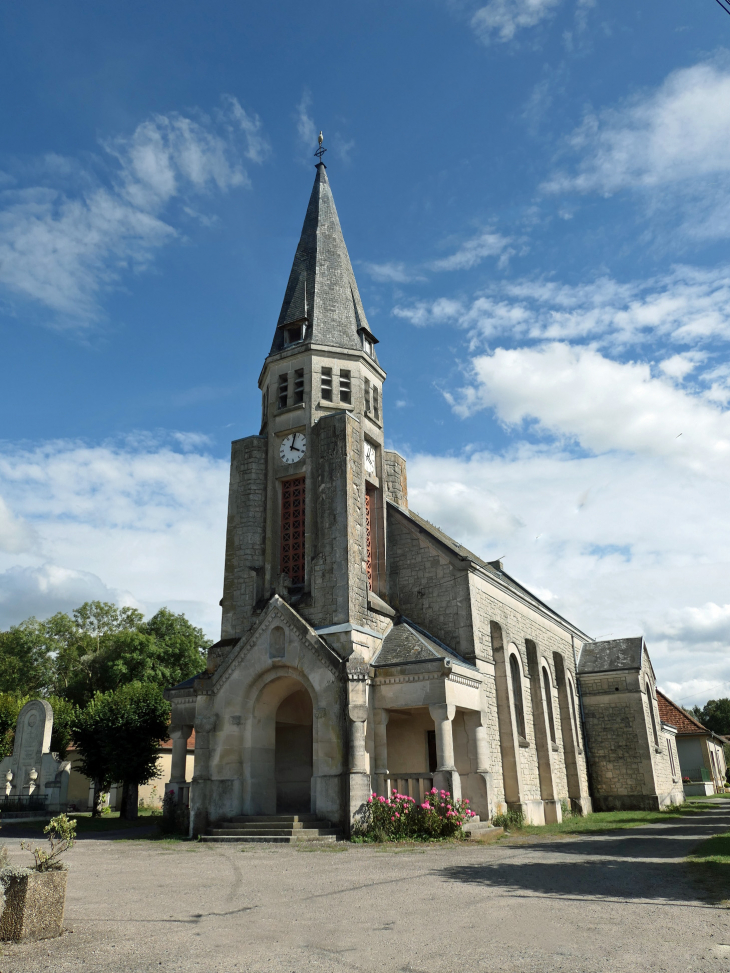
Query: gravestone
[33,771]
[32,740]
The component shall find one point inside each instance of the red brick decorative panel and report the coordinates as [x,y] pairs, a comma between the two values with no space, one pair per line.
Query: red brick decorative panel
[292,529]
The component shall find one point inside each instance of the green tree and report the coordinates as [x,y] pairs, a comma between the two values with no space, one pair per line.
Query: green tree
[26,665]
[91,735]
[10,706]
[715,715]
[117,735]
[183,647]
[64,717]
[141,715]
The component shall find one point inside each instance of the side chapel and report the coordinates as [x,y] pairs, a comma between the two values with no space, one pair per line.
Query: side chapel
[361,647]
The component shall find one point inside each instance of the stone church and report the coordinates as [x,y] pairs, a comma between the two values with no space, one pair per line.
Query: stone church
[361,647]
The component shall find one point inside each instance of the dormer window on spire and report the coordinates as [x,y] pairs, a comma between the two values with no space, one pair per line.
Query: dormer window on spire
[295,332]
[368,341]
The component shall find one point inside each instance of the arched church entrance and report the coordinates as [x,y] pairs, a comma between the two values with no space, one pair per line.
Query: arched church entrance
[293,764]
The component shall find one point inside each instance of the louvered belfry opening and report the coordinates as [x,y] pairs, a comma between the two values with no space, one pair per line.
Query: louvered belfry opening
[369,536]
[292,529]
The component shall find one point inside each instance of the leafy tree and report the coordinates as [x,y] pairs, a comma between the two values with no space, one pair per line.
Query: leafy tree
[64,716]
[118,735]
[91,733]
[183,647]
[141,715]
[25,663]
[10,706]
[715,715]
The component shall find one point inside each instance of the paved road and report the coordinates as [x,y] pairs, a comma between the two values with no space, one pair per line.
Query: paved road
[619,902]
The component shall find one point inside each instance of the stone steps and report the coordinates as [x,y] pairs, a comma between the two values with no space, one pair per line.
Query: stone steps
[278,828]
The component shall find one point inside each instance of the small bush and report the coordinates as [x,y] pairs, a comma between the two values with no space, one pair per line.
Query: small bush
[400,818]
[566,809]
[511,818]
[61,832]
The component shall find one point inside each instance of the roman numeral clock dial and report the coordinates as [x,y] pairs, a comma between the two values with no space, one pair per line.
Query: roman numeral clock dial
[293,447]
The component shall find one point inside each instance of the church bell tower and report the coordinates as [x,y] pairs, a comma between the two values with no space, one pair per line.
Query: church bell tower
[306,517]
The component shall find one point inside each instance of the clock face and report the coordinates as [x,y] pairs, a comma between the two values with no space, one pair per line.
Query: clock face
[293,447]
[369,458]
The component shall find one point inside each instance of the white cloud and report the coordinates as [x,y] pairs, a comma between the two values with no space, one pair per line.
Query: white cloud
[670,143]
[688,305]
[575,393]
[132,522]
[618,543]
[62,248]
[500,20]
[389,273]
[306,129]
[16,536]
[472,252]
[42,591]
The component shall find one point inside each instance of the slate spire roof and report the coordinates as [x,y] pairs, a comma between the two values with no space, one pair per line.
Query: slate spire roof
[322,291]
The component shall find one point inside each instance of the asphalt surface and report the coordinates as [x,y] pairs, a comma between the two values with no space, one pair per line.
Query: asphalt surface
[621,901]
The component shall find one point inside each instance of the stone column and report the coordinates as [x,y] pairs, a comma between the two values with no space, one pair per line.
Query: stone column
[446,777]
[359,776]
[381,784]
[180,736]
[478,785]
[200,790]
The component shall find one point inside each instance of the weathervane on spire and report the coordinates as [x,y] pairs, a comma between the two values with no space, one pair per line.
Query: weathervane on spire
[321,150]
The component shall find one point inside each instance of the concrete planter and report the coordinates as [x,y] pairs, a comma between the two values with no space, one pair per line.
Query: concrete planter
[34,903]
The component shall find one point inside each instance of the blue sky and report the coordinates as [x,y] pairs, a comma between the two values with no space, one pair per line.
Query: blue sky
[536,199]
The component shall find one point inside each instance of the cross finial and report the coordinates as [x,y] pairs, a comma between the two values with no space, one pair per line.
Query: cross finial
[320,150]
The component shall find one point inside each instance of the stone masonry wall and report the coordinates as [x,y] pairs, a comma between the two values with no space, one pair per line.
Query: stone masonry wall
[245,535]
[396,482]
[426,586]
[519,623]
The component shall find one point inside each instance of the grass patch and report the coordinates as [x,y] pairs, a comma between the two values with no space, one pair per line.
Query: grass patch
[715,850]
[610,821]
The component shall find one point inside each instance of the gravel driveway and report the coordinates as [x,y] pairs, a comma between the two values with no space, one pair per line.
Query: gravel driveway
[624,901]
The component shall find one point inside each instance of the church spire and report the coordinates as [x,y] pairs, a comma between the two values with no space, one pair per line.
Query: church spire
[322,293]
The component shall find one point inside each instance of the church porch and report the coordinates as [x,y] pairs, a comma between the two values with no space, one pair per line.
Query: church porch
[429,731]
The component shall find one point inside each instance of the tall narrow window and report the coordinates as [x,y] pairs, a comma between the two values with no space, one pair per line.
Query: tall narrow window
[571,697]
[514,668]
[325,384]
[292,529]
[369,535]
[265,405]
[283,390]
[345,387]
[298,386]
[376,403]
[650,702]
[367,395]
[549,703]
[671,758]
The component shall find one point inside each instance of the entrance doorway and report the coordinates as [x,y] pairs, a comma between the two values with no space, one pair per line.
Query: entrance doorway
[293,754]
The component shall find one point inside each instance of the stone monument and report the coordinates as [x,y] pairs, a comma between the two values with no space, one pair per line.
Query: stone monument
[33,771]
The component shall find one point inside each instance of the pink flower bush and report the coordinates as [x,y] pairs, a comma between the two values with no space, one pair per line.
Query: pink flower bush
[400,817]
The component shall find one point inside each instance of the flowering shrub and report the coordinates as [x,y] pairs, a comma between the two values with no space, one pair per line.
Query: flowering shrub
[400,817]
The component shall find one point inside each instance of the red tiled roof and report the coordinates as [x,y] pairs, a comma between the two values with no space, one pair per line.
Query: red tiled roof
[670,713]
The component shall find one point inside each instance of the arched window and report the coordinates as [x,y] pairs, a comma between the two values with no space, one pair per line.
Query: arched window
[650,701]
[549,703]
[514,668]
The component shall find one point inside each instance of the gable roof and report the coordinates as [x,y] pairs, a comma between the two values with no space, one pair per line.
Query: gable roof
[322,289]
[670,713]
[407,642]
